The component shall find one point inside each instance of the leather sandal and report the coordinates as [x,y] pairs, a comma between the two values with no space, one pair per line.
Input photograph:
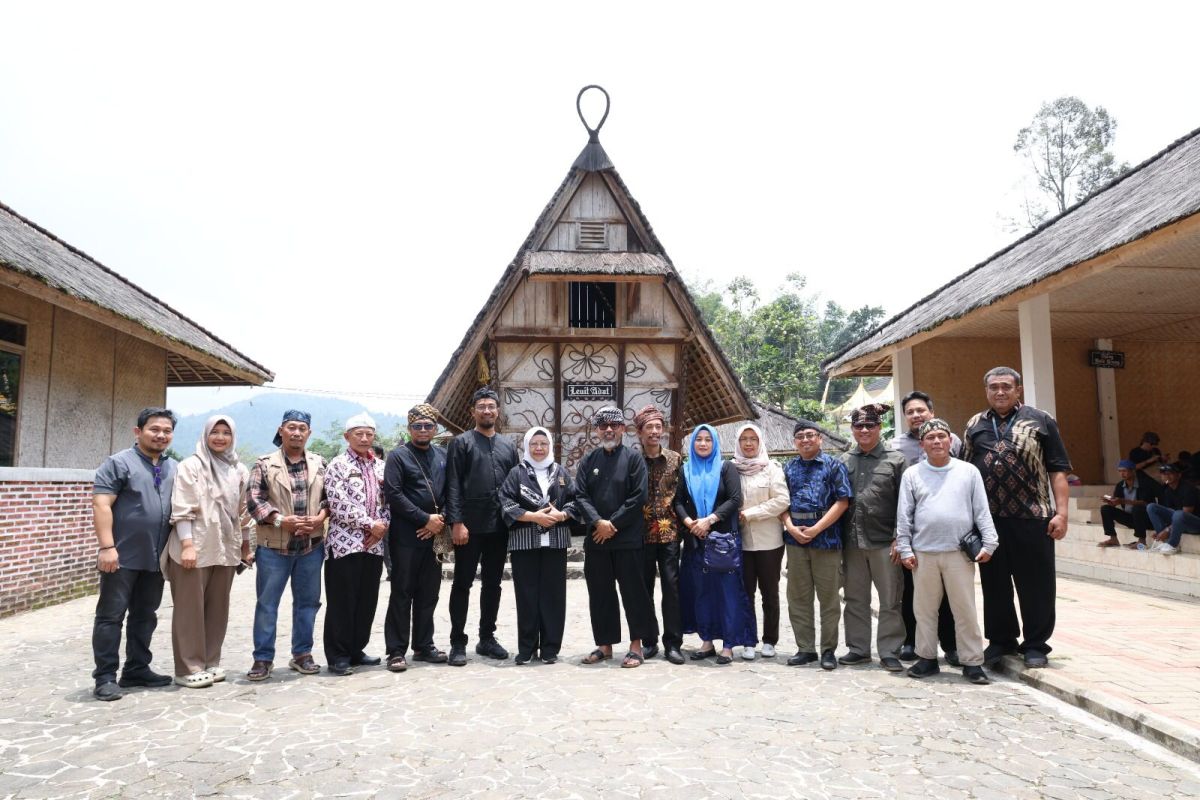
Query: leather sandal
[260,671]
[632,660]
[397,664]
[596,656]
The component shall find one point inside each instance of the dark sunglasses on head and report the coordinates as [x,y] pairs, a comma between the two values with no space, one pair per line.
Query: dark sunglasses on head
[422,426]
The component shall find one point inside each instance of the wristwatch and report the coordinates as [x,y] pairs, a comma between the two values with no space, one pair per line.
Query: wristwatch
[278,523]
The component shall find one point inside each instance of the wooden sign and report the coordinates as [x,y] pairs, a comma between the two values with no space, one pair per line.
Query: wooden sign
[590,391]
[1106,359]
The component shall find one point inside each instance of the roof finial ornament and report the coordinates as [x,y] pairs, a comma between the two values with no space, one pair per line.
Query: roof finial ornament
[593,133]
[593,158]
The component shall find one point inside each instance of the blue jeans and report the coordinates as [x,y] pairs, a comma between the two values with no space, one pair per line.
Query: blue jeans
[274,569]
[1180,522]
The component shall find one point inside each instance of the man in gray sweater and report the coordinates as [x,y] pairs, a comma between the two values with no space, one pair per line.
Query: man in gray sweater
[941,499]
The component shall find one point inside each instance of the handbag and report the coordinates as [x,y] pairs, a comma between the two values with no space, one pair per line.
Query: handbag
[722,552]
[443,544]
[972,544]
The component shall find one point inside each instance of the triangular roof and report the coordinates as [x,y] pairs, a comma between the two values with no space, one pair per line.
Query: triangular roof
[704,360]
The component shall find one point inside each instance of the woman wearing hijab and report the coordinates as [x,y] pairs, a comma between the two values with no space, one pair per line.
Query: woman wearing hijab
[211,537]
[764,497]
[712,599]
[537,499]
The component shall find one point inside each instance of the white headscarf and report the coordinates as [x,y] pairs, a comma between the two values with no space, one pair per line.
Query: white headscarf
[750,466]
[541,469]
[222,469]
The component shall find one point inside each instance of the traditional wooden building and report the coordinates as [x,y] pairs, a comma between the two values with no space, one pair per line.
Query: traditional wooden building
[591,312]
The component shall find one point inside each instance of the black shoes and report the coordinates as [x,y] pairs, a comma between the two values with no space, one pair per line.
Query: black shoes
[430,656]
[891,664]
[458,657]
[700,655]
[852,658]
[724,660]
[650,652]
[801,658]
[1035,659]
[341,668]
[549,658]
[522,659]
[490,648]
[908,653]
[976,675]
[952,658]
[674,655]
[364,660]
[828,661]
[994,652]
[149,679]
[924,668]
[108,691]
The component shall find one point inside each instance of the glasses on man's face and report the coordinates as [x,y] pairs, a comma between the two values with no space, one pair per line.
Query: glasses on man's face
[422,426]
[807,437]
[607,426]
[485,407]
[863,426]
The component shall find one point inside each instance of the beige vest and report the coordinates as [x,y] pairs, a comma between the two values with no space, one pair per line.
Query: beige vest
[279,494]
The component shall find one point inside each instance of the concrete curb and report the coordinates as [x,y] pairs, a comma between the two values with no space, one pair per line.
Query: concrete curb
[1172,735]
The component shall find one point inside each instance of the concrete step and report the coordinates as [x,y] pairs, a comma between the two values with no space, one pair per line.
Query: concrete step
[1077,555]
[1093,532]
[1094,490]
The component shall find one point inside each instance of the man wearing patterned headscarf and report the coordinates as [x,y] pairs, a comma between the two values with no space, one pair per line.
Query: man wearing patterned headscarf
[414,482]
[610,493]
[287,500]
[660,549]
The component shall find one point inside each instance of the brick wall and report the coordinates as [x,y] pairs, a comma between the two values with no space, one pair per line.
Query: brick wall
[47,543]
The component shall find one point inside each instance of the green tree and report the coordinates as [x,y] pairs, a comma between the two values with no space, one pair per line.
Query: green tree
[329,443]
[1067,145]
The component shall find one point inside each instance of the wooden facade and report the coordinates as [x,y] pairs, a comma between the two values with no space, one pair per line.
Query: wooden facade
[591,312]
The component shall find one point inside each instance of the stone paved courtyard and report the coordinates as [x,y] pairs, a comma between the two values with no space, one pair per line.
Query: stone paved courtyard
[566,730]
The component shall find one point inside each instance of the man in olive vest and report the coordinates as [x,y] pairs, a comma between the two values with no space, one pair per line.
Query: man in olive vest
[287,500]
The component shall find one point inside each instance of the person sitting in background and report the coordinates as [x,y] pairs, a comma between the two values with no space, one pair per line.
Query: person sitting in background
[1175,512]
[1127,505]
[1147,454]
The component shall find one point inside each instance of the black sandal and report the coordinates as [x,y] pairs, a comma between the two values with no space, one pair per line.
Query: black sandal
[632,660]
[596,656]
[397,664]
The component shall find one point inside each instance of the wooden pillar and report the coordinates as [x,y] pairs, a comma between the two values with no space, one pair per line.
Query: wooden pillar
[1037,353]
[1106,406]
[902,382]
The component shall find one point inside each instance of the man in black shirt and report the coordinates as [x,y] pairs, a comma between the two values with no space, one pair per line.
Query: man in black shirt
[1127,505]
[610,491]
[477,463]
[414,483]
[1175,514]
[1024,464]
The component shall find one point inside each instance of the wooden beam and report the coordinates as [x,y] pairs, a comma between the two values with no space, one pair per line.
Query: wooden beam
[565,335]
[594,277]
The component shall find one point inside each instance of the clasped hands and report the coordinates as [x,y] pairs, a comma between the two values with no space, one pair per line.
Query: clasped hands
[433,527]
[801,533]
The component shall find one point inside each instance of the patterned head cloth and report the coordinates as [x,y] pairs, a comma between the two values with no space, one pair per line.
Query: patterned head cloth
[931,425]
[609,414]
[422,411]
[484,393]
[872,413]
[646,414]
[292,415]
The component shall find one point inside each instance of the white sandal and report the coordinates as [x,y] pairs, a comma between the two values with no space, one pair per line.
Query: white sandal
[197,680]
[218,673]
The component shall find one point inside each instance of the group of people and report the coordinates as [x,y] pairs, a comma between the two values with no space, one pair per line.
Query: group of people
[1140,502]
[714,534]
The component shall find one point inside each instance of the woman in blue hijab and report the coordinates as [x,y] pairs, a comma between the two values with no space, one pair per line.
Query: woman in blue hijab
[713,601]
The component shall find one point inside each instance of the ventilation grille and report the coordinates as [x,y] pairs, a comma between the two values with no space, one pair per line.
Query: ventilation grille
[593,236]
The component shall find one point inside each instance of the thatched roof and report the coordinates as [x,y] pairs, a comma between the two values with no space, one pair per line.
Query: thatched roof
[1162,190]
[704,361]
[777,427]
[33,260]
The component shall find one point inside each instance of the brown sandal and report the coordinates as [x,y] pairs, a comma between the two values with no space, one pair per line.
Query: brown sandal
[1108,543]
[632,660]
[397,664]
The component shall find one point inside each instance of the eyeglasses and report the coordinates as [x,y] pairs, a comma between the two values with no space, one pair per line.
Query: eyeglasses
[804,437]
[863,426]
[422,426]
[607,426]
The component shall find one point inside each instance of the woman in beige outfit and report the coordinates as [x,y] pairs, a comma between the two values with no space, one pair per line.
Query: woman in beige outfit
[211,536]
[764,498]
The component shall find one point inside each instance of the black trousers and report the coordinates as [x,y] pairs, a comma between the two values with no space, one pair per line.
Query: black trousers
[351,596]
[1024,559]
[487,550]
[136,593]
[540,585]
[1137,519]
[761,569]
[663,560]
[604,571]
[945,633]
[416,583]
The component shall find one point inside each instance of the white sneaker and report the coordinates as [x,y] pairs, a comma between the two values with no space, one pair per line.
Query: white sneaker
[768,651]
[748,653]
[1167,550]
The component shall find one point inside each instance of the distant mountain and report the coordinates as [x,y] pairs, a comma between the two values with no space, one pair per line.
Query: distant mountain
[258,419]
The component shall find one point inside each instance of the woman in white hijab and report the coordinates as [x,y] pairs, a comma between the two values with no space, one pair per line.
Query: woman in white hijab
[538,501]
[764,498]
[211,537]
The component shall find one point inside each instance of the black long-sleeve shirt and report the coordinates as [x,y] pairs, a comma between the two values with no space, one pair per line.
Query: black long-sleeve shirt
[611,485]
[476,466]
[726,506]
[414,483]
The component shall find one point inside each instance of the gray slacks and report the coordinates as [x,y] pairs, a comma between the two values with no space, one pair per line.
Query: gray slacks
[865,567]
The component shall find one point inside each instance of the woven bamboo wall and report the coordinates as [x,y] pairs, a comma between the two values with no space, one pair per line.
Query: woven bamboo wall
[1159,380]
[1078,410]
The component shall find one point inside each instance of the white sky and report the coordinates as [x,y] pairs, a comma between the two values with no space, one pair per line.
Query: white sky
[338,174]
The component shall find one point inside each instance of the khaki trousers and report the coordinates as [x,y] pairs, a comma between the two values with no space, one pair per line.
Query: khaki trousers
[865,567]
[812,571]
[200,616]
[956,573]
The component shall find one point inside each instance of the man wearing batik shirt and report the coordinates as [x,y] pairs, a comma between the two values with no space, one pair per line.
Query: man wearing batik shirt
[660,550]
[286,497]
[1024,464]
[358,521]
